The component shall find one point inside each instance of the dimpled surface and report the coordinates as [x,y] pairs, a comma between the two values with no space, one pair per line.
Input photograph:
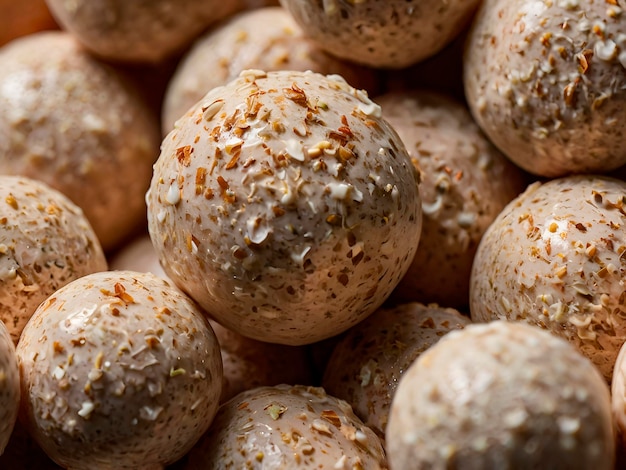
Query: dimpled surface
[369,361]
[501,395]
[555,258]
[242,43]
[72,122]
[287,427]
[285,206]
[546,81]
[118,369]
[45,242]
[140,30]
[465,183]
[9,387]
[382,33]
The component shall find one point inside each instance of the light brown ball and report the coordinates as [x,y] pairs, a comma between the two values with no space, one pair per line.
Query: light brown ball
[381,33]
[45,243]
[72,122]
[285,206]
[139,30]
[287,427]
[369,361]
[554,258]
[464,184]
[501,395]
[119,369]
[546,81]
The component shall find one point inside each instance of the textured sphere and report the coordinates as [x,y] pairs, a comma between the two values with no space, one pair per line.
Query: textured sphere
[9,387]
[285,206]
[382,33]
[287,427]
[139,30]
[242,43]
[546,81]
[501,395]
[369,361]
[74,123]
[554,258]
[119,369]
[465,183]
[45,243]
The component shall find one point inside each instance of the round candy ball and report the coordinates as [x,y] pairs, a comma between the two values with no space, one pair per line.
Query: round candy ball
[555,257]
[287,427]
[73,122]
[465,183]
[369,361]
[239,44]
[119,369]
[9,387]
[382,33]
[285,206]
[547,83]
[501,395]
[140,30]
[45,243]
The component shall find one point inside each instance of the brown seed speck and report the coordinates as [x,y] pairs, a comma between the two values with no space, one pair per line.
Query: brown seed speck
[57,347]
[183,155]
[11,201]
[332,417]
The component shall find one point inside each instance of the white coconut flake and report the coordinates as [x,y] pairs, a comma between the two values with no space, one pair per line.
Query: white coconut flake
[86,409]
[173,194]
[294,149]
[605,50]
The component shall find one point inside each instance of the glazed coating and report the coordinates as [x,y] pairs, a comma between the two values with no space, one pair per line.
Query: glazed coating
[382,33]
[465,183]
[555,258]
[546,81]
[74,123]
[9,387]
[501,395]
[242,43]
[140,30]
[45,243]
[118,369]
[369,361]
[287,427]
[285,206]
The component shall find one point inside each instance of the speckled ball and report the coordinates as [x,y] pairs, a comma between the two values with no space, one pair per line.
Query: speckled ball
[9,387]
[287,427]
[465,183]
[546,80]
[119,369]
[369,361]
[501,395]
[76,124]
[243,42]
[139,30]
[45,243]
[285,206]
[555,258]
[382,33]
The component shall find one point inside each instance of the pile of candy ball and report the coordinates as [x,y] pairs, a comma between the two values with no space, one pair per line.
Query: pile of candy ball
[374,234]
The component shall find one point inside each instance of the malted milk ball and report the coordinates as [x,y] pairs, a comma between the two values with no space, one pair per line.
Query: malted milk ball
[287,427]
[9,386]
[139,30]
[501,395]
[546,81]
[45,243]
[465,183]
[369,361]
[241,43]
[73,122]
[119,369]
[382,33]
[555,257]
[285,206]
